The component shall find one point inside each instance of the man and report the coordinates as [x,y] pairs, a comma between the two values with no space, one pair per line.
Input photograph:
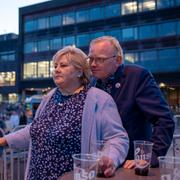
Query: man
[144,112]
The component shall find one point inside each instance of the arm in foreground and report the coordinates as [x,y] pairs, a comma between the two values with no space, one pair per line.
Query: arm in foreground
[116,137]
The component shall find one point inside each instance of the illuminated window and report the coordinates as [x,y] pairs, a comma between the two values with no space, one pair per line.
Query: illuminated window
[128,7]
[51,68]
[68,18]
[7,78]
[131,57]
[43,69]
[12,97]
[147,5]
[30,70]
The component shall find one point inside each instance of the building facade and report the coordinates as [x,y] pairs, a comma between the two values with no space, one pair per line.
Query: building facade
[149,31]
[9,68]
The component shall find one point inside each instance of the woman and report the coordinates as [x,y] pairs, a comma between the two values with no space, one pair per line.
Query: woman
[68,119]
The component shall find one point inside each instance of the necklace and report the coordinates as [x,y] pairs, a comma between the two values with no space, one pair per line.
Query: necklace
[62,97]
[71,93]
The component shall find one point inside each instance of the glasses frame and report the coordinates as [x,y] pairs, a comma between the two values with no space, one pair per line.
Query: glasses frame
[99,60]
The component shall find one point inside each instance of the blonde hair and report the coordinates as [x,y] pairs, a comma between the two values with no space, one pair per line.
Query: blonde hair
[78,59]
[115,43]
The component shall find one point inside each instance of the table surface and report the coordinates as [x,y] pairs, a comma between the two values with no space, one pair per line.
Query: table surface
[123,174]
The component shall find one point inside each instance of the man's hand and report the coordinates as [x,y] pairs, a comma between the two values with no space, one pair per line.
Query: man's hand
[106,165]
[129,164]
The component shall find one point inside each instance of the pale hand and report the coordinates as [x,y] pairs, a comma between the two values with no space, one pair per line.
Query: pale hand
[106,165]
[129,164]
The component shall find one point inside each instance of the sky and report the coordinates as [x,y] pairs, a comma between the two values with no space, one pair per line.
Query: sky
[9,17]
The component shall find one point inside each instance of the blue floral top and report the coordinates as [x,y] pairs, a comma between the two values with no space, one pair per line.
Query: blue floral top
[56,135]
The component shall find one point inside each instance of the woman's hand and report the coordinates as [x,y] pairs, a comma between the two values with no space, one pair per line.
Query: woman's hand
[106,165]
[3,142]
[129,164]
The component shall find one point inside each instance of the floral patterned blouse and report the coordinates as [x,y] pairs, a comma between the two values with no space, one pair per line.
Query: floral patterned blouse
[56,136]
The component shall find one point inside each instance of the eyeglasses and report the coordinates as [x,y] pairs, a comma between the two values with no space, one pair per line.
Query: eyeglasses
[99,60]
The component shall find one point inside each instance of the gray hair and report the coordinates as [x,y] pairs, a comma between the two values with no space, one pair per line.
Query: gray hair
[115,43]
[78,59]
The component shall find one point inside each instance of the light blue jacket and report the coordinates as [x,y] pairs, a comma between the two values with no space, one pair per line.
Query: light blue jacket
[100,120]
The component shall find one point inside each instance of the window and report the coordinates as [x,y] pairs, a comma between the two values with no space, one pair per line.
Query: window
[115,33]
[83,40]
[30,26]
[128,7]
[168,54]
[68,18]
[178,27]
[112,10]
[43,23]
[30,47]
[43,45]
[164,3]
[51,68]
[82,16]
[96,13]
[131,57]
[70,40]
[146,5]
[55,44]
[55,21]
[167,29]
[129,34]
[7,78]
[96,35]
[148,31]
[12,97]
[30,70]
[43,69]
[7,56]
[148,55]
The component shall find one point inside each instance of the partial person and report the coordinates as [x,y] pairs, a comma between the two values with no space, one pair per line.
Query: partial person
[144,112]
[69,118]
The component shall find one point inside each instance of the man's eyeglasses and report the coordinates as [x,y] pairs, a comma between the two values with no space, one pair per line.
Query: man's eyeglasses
[99,60]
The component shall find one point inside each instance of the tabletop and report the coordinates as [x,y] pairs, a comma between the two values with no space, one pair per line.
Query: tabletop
[124,174]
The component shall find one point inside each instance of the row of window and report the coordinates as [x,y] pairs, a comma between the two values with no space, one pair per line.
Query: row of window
[154,55]
[7,56]
[124,34]
[97,13]
[43,69]
[7,78]
[161,60]
[11,98]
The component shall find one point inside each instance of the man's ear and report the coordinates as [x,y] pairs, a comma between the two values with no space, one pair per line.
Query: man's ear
[119,60]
